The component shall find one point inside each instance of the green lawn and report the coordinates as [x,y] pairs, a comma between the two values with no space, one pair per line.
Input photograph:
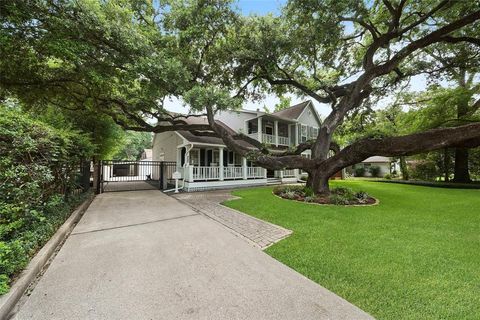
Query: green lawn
[416,255]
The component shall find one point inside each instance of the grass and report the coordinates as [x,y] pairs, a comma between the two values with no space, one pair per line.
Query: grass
[416,255]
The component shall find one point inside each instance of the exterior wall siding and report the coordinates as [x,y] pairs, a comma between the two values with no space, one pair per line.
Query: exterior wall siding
[308,117]
[235,120]
[165,146]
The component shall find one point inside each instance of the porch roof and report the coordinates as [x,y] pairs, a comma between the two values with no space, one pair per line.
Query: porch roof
[190,137]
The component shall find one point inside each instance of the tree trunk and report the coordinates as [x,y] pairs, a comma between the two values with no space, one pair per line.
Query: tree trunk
[318,181]
[404,168]
[462,174]
[446,164]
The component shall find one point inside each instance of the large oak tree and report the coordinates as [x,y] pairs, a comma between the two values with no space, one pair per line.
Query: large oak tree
[124,58]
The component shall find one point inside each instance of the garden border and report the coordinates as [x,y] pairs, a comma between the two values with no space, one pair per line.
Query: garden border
[36,265]
[377,202]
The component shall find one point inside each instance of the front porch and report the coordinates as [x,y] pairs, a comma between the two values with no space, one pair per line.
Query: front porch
[215,167]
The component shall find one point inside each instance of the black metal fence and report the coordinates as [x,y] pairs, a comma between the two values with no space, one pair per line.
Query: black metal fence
[129,175]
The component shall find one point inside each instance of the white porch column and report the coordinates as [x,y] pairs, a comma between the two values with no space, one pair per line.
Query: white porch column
[296,172]
[296,134]
[275,123]
[259,125]
[220,165]
[264,173]
[190,173]
[280,174]
[244,168]
[179,158]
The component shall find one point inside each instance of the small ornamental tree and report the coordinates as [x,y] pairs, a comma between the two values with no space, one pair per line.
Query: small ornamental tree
[124,58]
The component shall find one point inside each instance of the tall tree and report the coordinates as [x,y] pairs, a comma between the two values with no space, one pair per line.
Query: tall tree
[125,57]
[460,66]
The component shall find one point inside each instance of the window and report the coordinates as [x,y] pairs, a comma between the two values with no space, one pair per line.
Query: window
[304,133]
[252,127]
[231,158]
[195,157]
[269,129]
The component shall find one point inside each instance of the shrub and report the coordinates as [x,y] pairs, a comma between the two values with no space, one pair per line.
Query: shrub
[338,199]
[287,188]
[425,170]
[310,199]
[362,196]
[37,169]
[374,171]
[359,172]
[289,194]
[309,192]
[387,176]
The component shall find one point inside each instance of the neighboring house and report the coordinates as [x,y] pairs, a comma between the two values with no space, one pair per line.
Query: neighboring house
[206,163]
[385,164]
[147,155]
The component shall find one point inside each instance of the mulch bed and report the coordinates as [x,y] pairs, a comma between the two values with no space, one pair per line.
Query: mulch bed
[325,200]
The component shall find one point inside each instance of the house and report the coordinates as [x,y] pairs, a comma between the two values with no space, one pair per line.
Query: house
[385,164]
[206,163]
[147,155]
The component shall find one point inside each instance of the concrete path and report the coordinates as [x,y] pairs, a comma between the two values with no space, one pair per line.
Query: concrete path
[258,232]
[144,255]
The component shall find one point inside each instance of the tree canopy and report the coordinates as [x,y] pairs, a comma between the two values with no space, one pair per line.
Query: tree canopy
[124,58]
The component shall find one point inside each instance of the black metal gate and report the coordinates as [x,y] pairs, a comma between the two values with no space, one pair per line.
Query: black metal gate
[130,175]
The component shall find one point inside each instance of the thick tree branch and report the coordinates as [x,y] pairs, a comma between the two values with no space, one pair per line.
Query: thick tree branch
[462,136]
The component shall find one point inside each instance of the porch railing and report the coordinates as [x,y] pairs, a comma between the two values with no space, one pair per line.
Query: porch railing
[232,172]
[206,173]
[255,172]
[196,173]
[290,173]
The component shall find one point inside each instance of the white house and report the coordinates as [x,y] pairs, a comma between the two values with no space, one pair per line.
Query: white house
[206,163]
[385,165]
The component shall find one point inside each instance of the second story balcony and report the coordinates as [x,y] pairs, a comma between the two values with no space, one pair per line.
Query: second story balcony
[272,131]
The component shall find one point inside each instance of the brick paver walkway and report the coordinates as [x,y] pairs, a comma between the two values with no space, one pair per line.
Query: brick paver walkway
[256,231]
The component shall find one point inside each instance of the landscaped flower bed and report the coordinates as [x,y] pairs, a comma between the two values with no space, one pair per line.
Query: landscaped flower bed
[338,196]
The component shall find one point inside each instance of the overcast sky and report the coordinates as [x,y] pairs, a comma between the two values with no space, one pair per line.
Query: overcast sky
[262,7]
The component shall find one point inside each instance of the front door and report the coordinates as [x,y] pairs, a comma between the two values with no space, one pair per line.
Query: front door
[270,174]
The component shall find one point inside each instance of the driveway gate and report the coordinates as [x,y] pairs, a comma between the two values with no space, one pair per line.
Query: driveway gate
[129,175]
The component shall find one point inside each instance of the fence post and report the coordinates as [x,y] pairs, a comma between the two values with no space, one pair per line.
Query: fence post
[97,176]
[162,179]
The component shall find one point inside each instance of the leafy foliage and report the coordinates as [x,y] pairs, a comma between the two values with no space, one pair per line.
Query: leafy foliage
[38,166]
[133,144]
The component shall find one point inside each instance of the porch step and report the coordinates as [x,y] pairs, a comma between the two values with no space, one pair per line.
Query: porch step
[273,181]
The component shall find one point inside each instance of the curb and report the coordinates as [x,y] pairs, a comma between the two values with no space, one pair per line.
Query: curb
[35,266]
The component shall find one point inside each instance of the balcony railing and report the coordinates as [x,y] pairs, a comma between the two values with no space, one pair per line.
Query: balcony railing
[270,139]
[284,141]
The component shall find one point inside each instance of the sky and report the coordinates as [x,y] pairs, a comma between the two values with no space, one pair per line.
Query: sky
[263,7]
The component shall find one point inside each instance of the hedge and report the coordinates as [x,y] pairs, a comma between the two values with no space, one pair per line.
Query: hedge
[38,170]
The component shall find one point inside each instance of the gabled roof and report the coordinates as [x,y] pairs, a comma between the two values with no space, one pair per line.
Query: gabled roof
[292,112]
[378,159]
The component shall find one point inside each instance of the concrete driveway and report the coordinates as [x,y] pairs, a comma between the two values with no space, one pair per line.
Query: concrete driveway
[144,255]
